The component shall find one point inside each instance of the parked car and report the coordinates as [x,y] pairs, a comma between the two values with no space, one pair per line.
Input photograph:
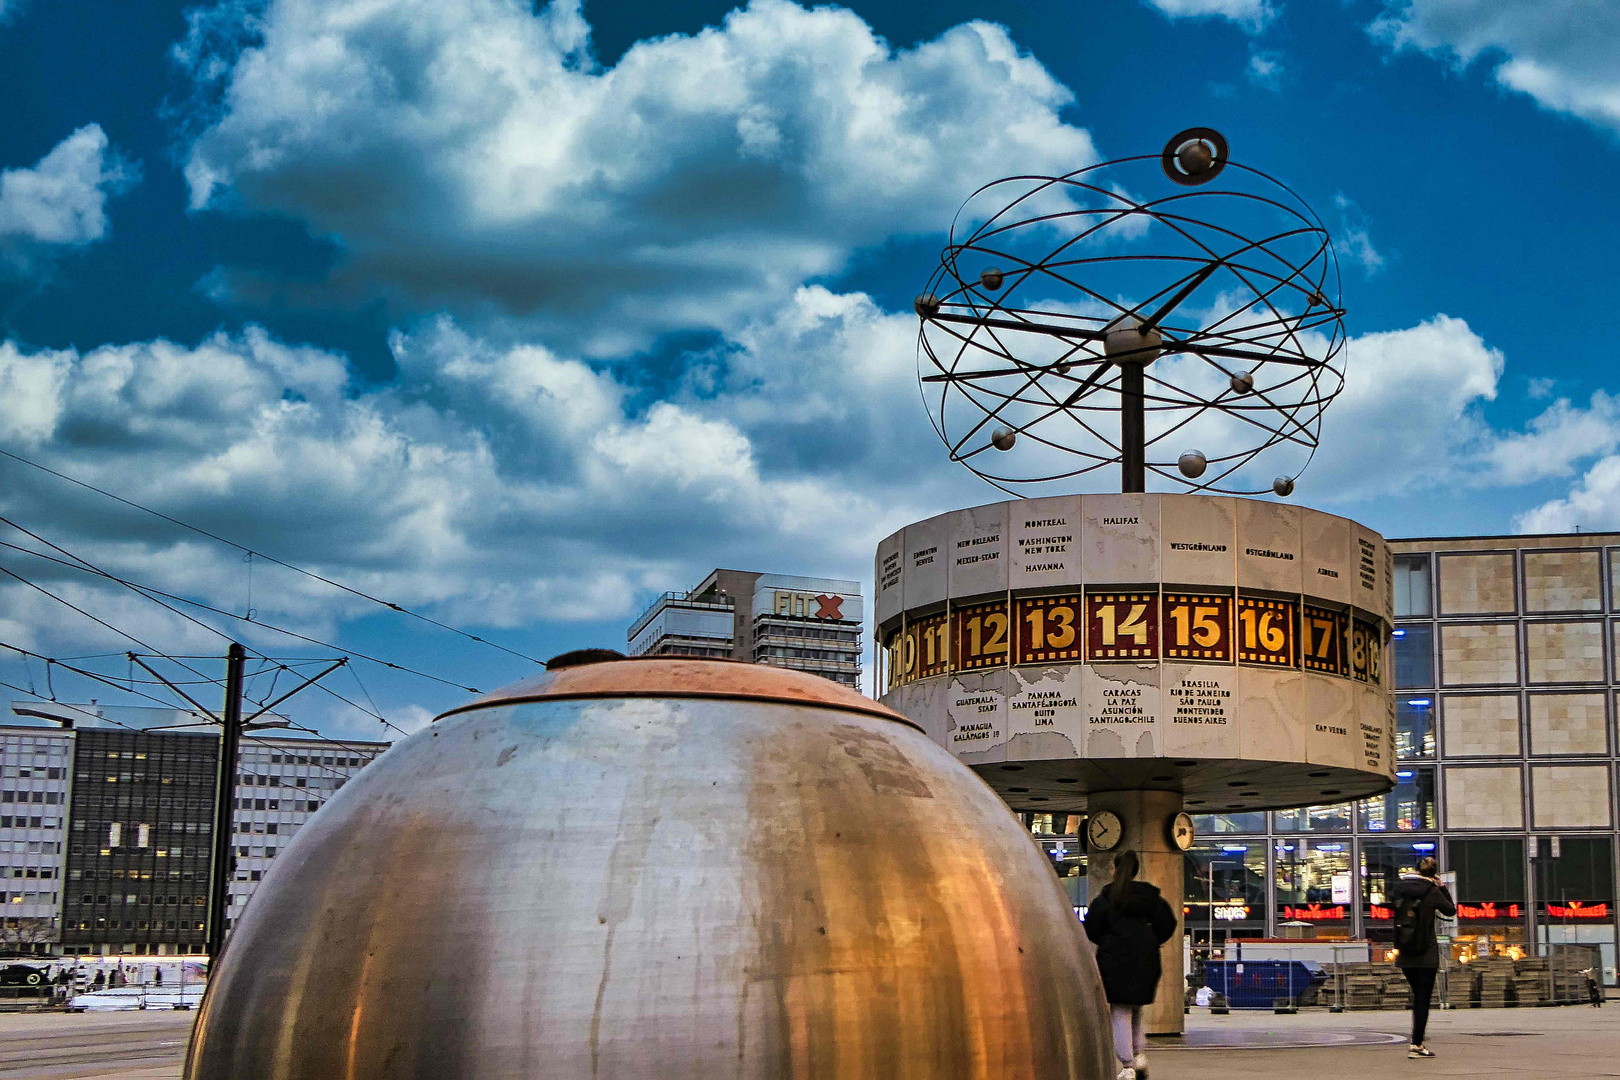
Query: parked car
[21,975]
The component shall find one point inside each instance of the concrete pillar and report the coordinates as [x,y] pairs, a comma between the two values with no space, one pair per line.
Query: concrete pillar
[1145,816]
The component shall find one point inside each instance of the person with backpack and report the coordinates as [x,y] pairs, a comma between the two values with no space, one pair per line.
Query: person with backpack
[1418,898]
[1128,922]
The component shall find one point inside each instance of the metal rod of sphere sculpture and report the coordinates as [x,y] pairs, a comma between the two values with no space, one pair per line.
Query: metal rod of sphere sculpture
[1136,656]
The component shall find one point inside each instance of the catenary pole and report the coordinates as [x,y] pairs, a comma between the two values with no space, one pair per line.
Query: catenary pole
[219,884]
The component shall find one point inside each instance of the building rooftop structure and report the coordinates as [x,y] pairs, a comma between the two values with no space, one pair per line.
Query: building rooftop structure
[804,623]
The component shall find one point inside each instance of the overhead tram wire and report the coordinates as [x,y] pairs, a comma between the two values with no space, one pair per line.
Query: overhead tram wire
[112,682]
[84,565]
[91,568]
[65,705]
[272,559]
[102,622]
[109,680]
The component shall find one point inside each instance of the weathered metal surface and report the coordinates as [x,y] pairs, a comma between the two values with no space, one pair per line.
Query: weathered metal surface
[658,887]
[667,677]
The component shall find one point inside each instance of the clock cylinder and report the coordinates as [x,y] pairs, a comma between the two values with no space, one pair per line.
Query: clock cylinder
[1145,653]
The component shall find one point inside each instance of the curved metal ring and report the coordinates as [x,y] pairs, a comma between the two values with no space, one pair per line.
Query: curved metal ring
[1172,168]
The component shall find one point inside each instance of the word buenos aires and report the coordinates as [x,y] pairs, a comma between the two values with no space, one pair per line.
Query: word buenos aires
[1199,701]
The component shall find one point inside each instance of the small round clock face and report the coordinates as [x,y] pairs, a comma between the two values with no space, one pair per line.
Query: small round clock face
[1104,830]
[1181,831]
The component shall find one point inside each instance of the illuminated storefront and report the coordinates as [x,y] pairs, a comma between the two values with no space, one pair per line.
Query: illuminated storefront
[1225,891]
[1313,882]
[1492,904]
[1058,836]
[1575,888]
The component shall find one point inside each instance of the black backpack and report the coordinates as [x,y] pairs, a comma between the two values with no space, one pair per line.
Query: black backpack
[1409,923]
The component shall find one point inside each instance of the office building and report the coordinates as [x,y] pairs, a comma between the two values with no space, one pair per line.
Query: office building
[803,623]
[1506,682]
[34,776]
[140,841]
[280,784]
[106,828]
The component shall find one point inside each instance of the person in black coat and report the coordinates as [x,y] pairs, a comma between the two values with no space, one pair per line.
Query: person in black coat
[1418,899]
[1128,922]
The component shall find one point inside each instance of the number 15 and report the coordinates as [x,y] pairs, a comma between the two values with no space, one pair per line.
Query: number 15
[1196,624]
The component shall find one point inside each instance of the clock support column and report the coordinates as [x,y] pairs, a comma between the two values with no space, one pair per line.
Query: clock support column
[1145,816]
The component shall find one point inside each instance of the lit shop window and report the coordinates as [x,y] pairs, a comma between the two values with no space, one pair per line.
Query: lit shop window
[1224,889]
[1314,884]
[1214,824]
[1414,727]
[1069,863]
[1383,863]
[1335,818]
[1052,824]
[1407,808]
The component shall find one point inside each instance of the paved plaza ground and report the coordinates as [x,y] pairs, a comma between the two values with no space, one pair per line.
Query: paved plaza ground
[1563,1042]
[1559,1043]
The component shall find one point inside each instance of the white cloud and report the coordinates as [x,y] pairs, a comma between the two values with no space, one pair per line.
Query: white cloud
[473,157]
[1555,441]
[1410,419]
[1252,15]
[1265,69]
[1355,236]
[493,486]
[508,486]
[1592,504]
[1560,52]
[62,199]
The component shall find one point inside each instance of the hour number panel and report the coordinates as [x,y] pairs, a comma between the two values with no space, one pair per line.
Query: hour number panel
[981,635]
[1265,631]
[1366,652]
[1048,629]
[1122,626]
[927,640]
[894,655]
[1321,640]
[1197,627]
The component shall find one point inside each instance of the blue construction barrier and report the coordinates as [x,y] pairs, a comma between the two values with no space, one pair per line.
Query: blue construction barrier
[1262,984]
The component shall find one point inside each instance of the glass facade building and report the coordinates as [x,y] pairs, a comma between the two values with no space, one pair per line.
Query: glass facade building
[140,841]
[1507,691]
[106,832]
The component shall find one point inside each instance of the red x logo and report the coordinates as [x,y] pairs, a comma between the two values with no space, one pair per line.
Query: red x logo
[830,607]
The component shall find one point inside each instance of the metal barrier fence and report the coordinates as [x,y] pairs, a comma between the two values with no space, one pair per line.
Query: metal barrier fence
[1283,976]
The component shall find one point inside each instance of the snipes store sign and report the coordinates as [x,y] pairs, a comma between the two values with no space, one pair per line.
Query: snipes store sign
[1222,912]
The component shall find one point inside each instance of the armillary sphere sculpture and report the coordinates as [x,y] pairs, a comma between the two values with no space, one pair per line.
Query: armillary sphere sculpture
[1205,316]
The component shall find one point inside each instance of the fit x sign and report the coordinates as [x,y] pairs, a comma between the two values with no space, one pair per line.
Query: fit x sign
[818,606]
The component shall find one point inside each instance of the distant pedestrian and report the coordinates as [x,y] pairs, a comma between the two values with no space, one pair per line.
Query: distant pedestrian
[1128,921]
[1418,897]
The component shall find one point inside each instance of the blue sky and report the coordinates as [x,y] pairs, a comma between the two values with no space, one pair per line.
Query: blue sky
[518,315]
